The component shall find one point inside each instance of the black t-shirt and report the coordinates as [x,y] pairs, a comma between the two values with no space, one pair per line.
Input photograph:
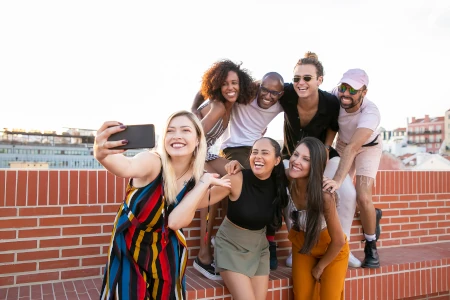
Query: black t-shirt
[326,117]
[254,209]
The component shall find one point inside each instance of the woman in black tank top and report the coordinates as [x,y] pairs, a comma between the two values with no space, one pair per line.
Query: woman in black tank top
[256,199]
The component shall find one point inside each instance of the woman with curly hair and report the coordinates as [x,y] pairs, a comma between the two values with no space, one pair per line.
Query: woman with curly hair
[223,84]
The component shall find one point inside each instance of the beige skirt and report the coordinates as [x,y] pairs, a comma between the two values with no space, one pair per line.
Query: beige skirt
[240,250]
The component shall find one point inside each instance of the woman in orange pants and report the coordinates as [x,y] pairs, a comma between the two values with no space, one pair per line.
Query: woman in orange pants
[319,246]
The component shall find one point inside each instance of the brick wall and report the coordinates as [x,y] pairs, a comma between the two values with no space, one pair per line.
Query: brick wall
[55,225]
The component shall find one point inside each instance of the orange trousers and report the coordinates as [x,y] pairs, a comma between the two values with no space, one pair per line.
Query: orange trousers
[331,286]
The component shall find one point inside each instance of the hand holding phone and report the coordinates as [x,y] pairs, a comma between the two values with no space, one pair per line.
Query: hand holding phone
[138,136]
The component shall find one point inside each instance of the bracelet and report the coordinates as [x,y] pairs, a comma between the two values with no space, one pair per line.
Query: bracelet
[328,147]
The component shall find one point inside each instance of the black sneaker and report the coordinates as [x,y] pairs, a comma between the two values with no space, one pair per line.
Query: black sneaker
[273,255]
[371,259]
[378,215]
[209,271]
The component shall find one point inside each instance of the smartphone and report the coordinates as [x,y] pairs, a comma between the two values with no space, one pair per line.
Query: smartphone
[139,137]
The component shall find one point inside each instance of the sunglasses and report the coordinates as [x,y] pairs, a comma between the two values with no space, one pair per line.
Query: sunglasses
[273,94]
[342,88]
[306,78]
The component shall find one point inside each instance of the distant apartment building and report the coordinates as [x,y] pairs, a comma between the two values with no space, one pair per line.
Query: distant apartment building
[447,131]
[387,134]
[427,132]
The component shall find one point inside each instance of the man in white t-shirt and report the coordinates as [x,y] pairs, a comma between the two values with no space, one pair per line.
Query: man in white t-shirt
[359,146]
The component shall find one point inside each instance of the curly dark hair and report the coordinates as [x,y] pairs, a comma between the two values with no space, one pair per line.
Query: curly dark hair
[216,75]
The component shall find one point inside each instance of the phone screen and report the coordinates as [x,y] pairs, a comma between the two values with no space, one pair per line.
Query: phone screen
[138,136]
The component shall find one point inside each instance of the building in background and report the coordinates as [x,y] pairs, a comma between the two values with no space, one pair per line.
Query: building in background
[70,149]
[446,148]
[427,132]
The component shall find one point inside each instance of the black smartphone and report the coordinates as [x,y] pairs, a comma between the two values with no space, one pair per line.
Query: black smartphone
[139,137]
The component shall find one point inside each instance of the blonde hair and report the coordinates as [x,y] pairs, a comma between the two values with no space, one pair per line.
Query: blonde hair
[311,58]
[197,160]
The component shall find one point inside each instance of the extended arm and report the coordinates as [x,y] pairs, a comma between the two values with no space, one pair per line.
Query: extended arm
[359,137]
[216,112]
[336,234]
[145,165]
[198,100]
[184,212]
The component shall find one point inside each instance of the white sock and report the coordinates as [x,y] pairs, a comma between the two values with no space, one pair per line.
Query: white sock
[370,237]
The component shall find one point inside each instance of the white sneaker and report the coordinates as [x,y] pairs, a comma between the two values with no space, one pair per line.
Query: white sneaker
[353,262]
[289,261]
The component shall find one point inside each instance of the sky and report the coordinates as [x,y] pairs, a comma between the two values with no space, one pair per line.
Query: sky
[80,63]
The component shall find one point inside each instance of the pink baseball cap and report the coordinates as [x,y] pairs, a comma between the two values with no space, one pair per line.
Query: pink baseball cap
[356,78]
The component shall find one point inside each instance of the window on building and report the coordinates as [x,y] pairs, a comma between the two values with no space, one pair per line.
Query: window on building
[417,129]
[431,138]
[438,145]
[431,128]
[429,146]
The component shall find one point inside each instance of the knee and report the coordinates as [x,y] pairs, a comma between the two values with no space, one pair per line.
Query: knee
[363,200]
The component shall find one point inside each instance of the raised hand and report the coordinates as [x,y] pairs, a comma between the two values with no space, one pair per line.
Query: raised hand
[233,167]
[329,185]
[102,147]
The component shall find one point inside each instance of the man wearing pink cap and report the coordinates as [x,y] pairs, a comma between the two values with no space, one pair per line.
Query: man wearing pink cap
[359,146]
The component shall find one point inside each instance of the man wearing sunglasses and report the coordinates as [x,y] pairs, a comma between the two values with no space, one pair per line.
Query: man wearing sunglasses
[360,149]
[247,124]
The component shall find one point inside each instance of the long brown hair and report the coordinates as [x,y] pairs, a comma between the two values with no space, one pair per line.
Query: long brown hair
[314,193]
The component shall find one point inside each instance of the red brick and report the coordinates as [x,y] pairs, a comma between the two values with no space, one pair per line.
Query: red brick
[108,228]
[93,187]
[399,220]
[418,219]
[81,209]
[39,277]
[17,245]
[388,243]
[411,198]
[418,232]
[408,241]
[84,251]
[391,227]
[436,203]
[436,218]
[110,208]
[101,187]
[58,221]
[18,223]
[442,196]
[81,230]
[428,225]
[94,261]
[7,234]
[59,264]
[6,281]
[6,258]
[39,211]
[428,239]
[83,187]
[22,184]
[63,187]
[32,187]
[82,273]
[389,198]
[39,232]
[443,210]
[110,189]
[399,234]
[11,177]
[97,219]
[427,197]
[419,204]
[398,205]
[37,255]
[73,186]
[94,240]
[60,242]
[444,224]
[53,185]
[43,188]
[408,226]
[408,212]
[8,212]
[17,268]
[427,211]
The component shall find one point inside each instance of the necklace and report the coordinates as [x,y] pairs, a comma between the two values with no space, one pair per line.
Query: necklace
[184,183]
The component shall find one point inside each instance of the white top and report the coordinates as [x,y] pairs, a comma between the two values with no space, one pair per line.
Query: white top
[247,124]
[367,116]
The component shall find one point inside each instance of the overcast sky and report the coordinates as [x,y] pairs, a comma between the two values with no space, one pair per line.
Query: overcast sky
[79,63]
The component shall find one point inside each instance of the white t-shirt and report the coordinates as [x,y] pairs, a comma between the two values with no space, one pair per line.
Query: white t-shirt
[367,116]
[247,124]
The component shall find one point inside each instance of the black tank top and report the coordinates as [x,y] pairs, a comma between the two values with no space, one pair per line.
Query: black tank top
[253,209]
